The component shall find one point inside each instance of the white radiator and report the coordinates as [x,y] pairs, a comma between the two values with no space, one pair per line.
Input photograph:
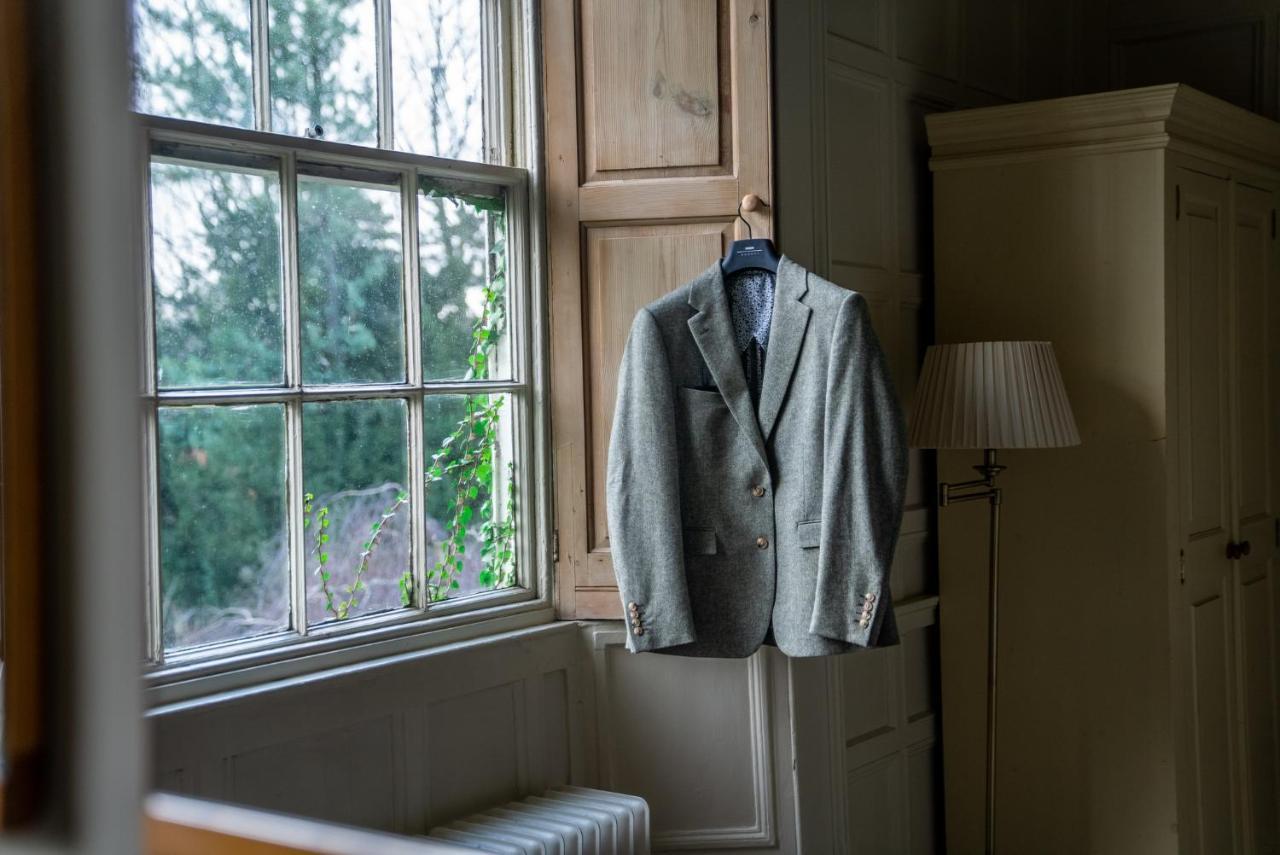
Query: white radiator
[562,821]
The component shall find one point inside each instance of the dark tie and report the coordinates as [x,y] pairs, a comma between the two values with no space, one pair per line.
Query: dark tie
[753,369]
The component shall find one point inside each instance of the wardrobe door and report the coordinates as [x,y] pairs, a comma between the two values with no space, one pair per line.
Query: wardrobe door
[657,117]
[1255,355]
[1205,628]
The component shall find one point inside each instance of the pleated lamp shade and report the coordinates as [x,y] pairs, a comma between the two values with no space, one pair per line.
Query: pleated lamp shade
[992,394]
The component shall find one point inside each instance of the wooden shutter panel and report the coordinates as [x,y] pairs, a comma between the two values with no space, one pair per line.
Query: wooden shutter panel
[657,124]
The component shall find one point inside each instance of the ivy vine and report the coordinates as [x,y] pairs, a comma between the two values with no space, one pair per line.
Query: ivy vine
[463,464]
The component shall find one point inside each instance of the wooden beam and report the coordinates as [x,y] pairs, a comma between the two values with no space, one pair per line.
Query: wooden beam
[180,825]
[20,412]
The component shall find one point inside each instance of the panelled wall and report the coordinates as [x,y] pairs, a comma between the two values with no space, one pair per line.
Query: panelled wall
[1226,48]
[405,743]
[853,84]
[399,744]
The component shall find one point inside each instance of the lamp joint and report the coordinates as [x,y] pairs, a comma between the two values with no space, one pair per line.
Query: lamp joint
[979,488]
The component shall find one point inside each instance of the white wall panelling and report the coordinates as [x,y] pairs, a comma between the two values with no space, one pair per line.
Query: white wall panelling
[705,741]
[408,742]
[399,744]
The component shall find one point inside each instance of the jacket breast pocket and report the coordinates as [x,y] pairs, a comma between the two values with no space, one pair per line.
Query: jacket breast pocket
[698,395]
[809,534]
[700,541]
[706,433]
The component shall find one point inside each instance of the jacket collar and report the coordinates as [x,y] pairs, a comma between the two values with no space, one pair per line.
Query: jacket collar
[712,329]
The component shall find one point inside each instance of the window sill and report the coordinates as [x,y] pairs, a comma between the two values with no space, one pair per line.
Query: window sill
[184,681]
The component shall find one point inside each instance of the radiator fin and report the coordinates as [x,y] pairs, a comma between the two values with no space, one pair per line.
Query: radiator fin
[564,820]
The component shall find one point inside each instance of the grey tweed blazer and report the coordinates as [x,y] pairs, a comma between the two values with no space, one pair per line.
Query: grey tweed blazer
[726,521]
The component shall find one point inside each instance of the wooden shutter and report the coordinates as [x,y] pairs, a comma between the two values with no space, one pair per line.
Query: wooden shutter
[657,124]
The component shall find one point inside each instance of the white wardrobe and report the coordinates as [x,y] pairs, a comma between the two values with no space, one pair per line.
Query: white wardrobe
[1139,594]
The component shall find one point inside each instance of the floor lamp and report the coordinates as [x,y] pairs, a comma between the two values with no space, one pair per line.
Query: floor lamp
[990,395]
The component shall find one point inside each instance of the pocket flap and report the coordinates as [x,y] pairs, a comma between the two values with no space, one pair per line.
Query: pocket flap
[809,534]
[700,541]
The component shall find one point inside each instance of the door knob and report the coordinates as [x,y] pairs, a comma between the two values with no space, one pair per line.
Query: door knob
[1238,550]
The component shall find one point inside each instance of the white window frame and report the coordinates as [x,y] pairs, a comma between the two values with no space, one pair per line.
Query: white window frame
[196,671]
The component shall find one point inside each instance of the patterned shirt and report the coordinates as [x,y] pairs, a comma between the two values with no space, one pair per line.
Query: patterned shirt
[751,305]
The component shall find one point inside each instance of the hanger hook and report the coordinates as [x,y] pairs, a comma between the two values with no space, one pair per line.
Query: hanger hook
[745,221]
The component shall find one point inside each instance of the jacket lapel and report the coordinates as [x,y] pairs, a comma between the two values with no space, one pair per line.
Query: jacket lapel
[712,329]
[786,334]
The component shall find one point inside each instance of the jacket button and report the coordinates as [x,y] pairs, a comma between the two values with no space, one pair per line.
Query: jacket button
[762,542]
[757,491]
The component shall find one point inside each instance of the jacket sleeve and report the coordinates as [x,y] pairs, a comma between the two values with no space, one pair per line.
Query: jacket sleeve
[643,496]
[863,486]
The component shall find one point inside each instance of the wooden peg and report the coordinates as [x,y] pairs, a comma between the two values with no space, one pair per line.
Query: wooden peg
[752,202]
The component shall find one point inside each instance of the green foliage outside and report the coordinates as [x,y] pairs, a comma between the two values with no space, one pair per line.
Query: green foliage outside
[221,502]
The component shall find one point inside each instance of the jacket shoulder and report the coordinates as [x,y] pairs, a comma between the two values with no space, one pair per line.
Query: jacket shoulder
[672,307]
[824,295]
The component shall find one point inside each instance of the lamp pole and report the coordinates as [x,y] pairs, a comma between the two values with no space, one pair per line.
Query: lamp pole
[969,491]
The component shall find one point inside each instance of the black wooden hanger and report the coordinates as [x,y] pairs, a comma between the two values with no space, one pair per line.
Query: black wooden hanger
[752,253]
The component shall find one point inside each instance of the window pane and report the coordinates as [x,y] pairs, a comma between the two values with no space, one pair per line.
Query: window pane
[193,60]
[436,77]
[223,558]
[216,272]
[356,515]
[471,494]
[351,269]
[323,61]
[462,243]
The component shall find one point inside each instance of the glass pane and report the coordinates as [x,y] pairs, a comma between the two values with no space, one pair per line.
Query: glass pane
[223,546]
[351,273]
[471,494]
[192,59]
[462,243]
[215,242]
[436,77]
[356,517]
[323,61]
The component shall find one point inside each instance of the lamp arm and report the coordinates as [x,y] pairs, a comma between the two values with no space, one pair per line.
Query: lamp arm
[950,493]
